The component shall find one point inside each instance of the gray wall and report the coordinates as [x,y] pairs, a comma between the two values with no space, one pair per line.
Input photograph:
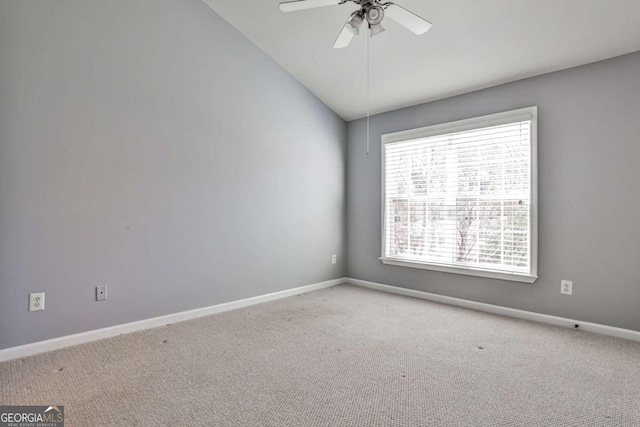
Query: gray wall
[589,193]
[149,146]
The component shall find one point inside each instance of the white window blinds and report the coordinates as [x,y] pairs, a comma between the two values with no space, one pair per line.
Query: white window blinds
[462,198]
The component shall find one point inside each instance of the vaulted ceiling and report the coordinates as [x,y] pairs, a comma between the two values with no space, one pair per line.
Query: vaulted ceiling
[473,44]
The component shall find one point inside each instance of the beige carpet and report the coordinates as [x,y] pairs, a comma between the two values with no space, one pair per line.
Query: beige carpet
[344,356]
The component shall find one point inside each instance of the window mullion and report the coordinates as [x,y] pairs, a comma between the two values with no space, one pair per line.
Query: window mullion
[503,190]
[451,197]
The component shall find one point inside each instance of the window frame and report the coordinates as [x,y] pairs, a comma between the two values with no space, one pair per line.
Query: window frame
[522,114]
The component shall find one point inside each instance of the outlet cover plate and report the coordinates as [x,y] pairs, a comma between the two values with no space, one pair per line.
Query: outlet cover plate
[566,287]
[36,301]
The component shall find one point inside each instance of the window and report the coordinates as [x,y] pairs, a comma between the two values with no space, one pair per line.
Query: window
[461,197]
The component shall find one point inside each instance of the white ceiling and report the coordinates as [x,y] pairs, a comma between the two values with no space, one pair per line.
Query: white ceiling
[473,44]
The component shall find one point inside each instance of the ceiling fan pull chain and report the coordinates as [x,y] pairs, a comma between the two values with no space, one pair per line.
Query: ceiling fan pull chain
[368,87]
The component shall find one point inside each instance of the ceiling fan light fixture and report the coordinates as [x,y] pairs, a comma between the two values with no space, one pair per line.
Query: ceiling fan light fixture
[355,22]
[375,29]
[374,14]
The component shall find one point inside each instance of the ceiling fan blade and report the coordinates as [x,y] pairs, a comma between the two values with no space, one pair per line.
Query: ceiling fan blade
[344,38]
[292,6]
[409,20]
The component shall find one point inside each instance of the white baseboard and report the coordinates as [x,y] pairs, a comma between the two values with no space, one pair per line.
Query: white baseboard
[99,334]
[505,311]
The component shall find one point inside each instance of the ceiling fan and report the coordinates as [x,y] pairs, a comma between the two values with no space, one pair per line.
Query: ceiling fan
[373,11]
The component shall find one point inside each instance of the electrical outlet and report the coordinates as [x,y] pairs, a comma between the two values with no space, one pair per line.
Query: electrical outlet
[36,301]
[101,293]
[334,259]
[566,287]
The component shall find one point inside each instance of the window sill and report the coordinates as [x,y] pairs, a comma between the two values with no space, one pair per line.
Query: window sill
[513,277]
